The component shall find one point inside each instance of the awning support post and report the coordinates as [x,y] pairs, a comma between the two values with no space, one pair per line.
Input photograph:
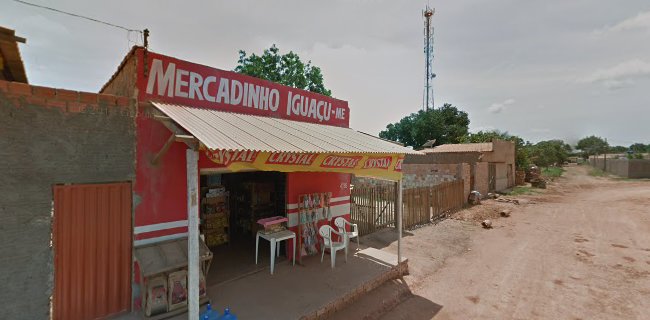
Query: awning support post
[192,157]
[398,206]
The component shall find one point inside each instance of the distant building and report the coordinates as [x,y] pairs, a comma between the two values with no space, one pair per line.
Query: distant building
[485,167]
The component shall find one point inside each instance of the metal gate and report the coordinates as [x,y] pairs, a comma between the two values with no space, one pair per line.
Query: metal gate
[92,240]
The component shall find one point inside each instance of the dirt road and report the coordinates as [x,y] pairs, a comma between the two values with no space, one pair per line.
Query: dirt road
[580,250]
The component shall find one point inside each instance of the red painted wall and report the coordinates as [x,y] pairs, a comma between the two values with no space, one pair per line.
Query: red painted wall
[161,189]
[314,182]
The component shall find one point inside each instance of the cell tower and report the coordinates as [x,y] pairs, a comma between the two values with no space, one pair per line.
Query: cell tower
[427,98]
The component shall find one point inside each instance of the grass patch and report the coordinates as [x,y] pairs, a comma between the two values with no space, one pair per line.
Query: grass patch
[552,172]
[595,172]
[522,190]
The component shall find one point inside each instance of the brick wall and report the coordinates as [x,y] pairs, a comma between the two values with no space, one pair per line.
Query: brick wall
[124,80]
[50,136]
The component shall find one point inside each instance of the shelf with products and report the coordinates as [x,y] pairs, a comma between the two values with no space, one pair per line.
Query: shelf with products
[250,202]
[215,215]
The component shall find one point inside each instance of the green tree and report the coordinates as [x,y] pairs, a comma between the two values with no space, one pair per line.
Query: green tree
[522,148]
[445,125]
[286,69]
[592,145]
[550,152]
[638,148]
[618,149]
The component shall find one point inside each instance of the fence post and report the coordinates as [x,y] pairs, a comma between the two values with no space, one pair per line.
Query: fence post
[398,186]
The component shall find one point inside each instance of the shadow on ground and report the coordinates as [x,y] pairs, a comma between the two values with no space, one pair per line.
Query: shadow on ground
[383,238]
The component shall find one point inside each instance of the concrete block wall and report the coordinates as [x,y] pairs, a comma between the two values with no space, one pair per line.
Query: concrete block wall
[639,168]
[421,175]
[627,168]
[50,136]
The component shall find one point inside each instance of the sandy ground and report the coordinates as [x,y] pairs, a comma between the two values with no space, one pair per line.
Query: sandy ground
[578,250]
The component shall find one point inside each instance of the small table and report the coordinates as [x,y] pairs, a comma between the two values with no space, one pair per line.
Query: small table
[275,238]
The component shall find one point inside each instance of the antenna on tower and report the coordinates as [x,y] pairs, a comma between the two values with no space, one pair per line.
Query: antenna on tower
[427,97]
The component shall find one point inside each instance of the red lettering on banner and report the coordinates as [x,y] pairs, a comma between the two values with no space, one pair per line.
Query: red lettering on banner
[176,81]
[398,164]
[340,161]
[288,158]
[378,162]
[227,157]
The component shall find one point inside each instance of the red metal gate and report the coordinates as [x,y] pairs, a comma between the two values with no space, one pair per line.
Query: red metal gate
[92,238]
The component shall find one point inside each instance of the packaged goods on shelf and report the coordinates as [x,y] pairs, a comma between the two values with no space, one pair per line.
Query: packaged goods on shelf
[215,239]
[177,289]
[156,302]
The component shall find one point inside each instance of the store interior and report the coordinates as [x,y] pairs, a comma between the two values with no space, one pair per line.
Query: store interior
[231,204]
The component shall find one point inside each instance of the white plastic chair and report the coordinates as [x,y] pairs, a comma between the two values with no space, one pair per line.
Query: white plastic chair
[340,223]
[326,231]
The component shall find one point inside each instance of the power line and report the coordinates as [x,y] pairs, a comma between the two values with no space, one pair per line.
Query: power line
[78,16]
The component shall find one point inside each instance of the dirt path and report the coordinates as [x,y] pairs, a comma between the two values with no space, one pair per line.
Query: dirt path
[581,250]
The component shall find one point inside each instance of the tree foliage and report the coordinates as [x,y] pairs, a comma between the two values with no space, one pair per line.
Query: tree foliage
[639,148]
[550,152]
[445,125]
[592,145]
[286,69]
[522,157]
[618,149]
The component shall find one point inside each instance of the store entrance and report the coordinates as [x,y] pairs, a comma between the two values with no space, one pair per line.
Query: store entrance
[231,204]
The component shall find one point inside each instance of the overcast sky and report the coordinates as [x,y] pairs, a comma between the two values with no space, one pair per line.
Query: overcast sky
[540,69]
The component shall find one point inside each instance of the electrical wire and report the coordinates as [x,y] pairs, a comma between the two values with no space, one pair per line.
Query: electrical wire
[79,16]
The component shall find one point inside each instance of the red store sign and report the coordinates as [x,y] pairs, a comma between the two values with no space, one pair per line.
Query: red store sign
[181,82]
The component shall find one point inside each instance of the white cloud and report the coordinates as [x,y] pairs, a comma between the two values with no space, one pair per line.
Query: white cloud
[618,84]
[499,107]
[640,21]
[621,75]
[540,130]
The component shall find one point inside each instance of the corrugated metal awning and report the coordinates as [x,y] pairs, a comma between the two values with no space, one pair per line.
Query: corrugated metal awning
[218,130]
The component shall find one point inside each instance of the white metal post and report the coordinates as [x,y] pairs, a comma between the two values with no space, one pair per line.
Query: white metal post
[192,157]
[398,185]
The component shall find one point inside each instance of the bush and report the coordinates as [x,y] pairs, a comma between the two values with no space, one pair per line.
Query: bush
[595,172]
[552,172]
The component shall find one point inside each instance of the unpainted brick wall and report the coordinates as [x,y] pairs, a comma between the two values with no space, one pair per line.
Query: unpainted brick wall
[50,136]
[123,82]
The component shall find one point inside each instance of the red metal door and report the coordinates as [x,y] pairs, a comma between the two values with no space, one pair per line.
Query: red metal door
[92,239]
